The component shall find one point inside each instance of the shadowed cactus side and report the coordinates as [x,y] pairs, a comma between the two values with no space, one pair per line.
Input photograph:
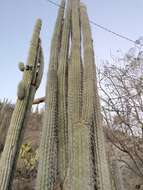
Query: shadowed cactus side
[26,92]
[47,169]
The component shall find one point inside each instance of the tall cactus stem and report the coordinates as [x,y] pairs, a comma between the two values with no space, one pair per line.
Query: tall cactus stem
[103,176]
[74,74]
[19,117]
[47,169]
[75,147]
[62,95]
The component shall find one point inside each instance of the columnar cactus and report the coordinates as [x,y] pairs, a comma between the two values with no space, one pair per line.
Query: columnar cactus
[72,150]
[47,169]
[62,95]
[94,115]
[26,91]
[78,133]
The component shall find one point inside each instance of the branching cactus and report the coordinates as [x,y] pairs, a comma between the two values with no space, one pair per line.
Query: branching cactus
[62,95]
[31,79]
[76,159]
[92,100]
[47,169]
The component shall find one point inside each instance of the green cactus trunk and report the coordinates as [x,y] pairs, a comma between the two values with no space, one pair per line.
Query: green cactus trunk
[30,82]
[47,170]
[101,164]
[75,69]
[74,75]
[79,158]
[62,96]
[88,90]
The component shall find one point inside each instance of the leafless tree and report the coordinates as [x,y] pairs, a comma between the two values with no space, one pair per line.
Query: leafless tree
[121,90]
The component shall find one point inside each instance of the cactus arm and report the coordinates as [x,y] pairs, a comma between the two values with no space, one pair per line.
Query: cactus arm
[18,121]
[47,168]
[62,95]
[93,98]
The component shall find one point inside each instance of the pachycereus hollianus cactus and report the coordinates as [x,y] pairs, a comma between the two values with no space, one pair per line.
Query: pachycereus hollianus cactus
[72,149]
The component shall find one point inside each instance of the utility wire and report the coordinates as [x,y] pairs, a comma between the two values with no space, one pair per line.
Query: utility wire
[108,30]
[100,26]
[54,3]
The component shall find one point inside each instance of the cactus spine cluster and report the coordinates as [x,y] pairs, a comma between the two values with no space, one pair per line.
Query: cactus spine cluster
[26,90]
[72,150]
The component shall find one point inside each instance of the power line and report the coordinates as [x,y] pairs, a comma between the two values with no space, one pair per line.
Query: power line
[100,26]
[54,3]
[108,30]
